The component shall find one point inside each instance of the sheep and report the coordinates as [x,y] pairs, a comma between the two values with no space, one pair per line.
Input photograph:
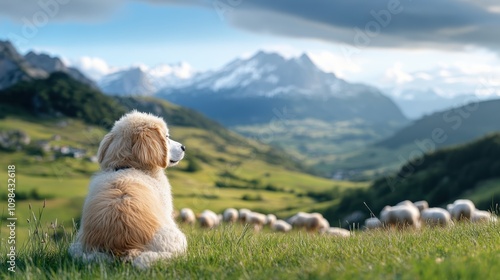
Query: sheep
[421,205]
[296,219]
[243,213]
[324,224]
[336,231]
[281,226]
[436,217]
[401,215]
[270,220]
[230,215]
[405,202]
[449,207]
[258,220]
[310,221]
[208,219]
[373,223]
[462,209]
[187,216]
[480,216]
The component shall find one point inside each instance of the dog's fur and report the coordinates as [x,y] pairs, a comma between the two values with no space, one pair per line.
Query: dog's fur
[128,210]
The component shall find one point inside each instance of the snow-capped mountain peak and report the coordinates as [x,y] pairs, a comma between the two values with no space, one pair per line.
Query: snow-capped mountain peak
[267,74]
[251,90]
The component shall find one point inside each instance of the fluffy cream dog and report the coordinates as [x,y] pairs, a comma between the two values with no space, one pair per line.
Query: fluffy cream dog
[128,210]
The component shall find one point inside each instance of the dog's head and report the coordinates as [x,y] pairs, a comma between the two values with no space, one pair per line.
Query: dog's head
[141,141]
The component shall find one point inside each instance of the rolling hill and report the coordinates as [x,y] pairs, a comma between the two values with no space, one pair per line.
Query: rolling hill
[439,130]
[459,125]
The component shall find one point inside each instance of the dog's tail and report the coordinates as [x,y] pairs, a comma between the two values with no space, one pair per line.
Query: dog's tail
[121,219]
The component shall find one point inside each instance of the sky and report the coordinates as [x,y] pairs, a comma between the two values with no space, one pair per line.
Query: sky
[450,46]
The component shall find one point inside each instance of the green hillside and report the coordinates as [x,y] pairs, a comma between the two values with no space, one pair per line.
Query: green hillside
[466,171]
[60,95]
[221,168]
[451,127]
[439,130]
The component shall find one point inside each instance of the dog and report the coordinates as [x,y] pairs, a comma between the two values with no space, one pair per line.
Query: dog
[128,212]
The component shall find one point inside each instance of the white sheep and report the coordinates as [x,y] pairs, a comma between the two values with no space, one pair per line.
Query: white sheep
[373,223]
[295,218]
[310,221]
[324,224]
[258,220]
[187,216]
[462,209]
[243,214]
[270,219]
[281,226]
[403,215]
[480,216]
[421,205]
[208,219]
[230,215]
[336,231]
[436,217]
[449,207]
[405,202]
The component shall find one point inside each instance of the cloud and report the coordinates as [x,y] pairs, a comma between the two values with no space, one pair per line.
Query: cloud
[449,80]
[376,23]
[337,64]
[40,11]
[72,10]
[444,24]
[396,74]
[93,67]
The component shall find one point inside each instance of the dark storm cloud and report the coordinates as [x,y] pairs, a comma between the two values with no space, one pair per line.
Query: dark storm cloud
[387,23]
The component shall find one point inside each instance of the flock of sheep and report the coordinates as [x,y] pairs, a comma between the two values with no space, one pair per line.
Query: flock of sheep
[309,221]
[405,214]
[413,215]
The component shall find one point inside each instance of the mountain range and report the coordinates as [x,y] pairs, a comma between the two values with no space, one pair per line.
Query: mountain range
[15,68]
[252,90]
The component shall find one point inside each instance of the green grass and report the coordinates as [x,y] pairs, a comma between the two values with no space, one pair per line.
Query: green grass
[465,251]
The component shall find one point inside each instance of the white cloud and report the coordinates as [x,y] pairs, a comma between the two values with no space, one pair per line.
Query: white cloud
[182,70]
[396,74]
[341,66]
[451,79]
[93,67]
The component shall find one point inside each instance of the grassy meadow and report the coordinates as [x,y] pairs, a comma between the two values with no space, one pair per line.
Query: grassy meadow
[217,174]
[463,251]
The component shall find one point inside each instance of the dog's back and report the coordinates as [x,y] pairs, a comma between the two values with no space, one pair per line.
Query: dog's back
[120,216]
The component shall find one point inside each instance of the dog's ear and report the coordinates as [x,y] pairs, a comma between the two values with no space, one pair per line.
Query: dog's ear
[103,147]
[149,148]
